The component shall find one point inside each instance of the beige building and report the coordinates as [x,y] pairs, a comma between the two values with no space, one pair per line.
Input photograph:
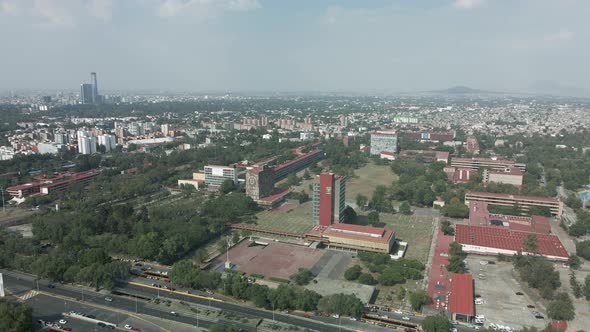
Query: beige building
[525,202]
[509,175]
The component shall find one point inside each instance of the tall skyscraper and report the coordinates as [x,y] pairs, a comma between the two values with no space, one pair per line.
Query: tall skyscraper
[329,195]
[86,93]
[93,81]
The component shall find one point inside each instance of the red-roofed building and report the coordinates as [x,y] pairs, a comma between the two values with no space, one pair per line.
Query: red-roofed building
[525,202]
[459,175]
[497,240]
[387,155]
[559,325]
[480,216]
[353,237]
[461,298]
[23,190]
[298,163]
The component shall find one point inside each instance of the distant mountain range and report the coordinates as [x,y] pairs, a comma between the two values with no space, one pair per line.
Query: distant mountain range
[538,88]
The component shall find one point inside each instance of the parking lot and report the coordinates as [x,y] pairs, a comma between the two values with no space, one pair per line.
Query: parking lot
[498,288]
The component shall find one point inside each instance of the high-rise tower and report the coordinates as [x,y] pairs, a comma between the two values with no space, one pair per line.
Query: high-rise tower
[329,199]
[95,97]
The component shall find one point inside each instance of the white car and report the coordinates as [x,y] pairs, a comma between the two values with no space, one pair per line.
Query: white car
[399,312]
[128,327]
[406,318]
[63,321]
[480,317]
[453,329]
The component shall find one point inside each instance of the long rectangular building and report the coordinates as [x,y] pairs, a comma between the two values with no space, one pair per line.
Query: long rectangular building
[525,202]
[495,240]
[297,164]
[353,237]
[491,163]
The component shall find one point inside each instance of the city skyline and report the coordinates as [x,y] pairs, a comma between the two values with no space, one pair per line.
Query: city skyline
[250,45]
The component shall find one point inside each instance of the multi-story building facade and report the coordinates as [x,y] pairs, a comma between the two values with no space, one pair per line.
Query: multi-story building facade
[260,182]
[215,175]
[383,141]
[329,195]
[490,163]
[108,141]
[509,175]
[297,164]
[555,205]
[472,145]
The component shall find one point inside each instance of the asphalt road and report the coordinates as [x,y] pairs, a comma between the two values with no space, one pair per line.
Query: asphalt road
[138,306]
[119,303]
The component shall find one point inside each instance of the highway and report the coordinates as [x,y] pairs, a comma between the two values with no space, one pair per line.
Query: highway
[138,306]
[120,303]
[131,305]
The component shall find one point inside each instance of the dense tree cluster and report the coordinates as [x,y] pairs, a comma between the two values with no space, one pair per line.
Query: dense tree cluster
[438,323]
[583,249]
[166,233]
[285,297]
[456,258]
[538,273]
[418,299]
[302,277]
[561,308]
[389,272]
[582,225]
[15,317]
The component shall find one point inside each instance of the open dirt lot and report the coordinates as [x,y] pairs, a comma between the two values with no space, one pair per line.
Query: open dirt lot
[498,290]
[277,260]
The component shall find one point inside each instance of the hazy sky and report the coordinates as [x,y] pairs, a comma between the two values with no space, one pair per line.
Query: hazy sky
[294,45]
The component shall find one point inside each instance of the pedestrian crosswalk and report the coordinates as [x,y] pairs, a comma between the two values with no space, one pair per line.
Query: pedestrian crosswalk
[28,295]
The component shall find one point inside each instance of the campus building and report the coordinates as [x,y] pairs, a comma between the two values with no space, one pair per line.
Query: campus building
[509,175]
[297,164]
[485,240]
[329,195]
[555,205]
[461,298]
[472,145]
[45,186]
[430,136]
[490,163]
[197,181]
[353,237]
[480,216]
[383,141]
[215,175]
[260,182]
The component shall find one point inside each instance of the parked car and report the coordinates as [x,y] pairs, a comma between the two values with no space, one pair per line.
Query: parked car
[108,299]
[406,318]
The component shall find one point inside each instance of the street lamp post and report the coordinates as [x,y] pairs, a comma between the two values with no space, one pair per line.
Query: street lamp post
[3,204]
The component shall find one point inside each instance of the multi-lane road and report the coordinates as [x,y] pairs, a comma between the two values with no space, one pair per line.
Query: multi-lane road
[133,305]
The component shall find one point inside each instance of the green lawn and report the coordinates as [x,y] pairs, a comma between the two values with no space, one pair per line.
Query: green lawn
[297,220]
[416,231]
[367,178]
